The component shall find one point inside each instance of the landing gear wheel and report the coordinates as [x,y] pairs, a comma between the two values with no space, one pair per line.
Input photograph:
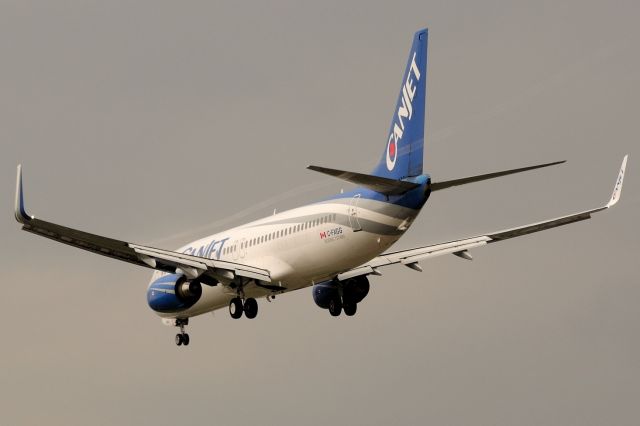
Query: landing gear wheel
[250,308]
[235,308]
[182,338]
[335,307]
[350,309]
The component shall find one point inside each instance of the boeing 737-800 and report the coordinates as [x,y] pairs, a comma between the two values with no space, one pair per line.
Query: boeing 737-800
[332,245]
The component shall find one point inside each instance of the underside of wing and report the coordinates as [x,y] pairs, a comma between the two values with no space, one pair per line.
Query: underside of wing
[460,247]
[208,271]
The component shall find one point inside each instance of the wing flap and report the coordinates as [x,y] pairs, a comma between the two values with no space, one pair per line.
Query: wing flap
[204,264]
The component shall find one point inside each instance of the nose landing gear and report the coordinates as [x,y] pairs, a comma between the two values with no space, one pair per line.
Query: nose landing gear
[182,338]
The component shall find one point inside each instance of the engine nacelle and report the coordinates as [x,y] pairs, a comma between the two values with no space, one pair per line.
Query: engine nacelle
[173,293]
[353,291]
[325,292]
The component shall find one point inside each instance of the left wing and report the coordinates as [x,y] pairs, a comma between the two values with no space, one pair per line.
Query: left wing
[460,248]
[208,271]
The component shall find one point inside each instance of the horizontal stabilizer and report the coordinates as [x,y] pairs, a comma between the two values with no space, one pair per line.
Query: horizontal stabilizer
[375,183]
[436,186]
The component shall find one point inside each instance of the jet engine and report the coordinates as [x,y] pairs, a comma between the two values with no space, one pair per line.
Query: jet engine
[349,292]
[173,293]
[354,290]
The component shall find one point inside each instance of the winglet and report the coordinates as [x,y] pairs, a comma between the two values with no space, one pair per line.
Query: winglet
[20,212]
[617,189]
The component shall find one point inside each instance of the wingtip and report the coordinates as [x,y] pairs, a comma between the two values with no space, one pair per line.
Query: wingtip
[617,189]
[20,211]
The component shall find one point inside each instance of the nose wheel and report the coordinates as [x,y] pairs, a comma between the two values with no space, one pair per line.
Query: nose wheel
[237,307]
[182,338]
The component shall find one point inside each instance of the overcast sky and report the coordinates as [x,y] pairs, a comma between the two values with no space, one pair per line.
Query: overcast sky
[159,122]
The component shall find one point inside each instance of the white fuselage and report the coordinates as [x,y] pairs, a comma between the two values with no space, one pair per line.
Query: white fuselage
[300,247]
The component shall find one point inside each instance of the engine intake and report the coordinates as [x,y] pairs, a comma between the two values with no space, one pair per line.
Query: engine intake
[173,293]
[187,290]
[352,291]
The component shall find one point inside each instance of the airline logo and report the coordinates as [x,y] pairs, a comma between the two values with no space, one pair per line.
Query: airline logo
[405,111]
[213,248]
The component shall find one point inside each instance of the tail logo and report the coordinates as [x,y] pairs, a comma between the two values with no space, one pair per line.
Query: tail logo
[392,149]
[405,110]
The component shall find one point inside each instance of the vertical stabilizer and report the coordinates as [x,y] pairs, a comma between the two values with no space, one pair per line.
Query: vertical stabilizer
[404,149]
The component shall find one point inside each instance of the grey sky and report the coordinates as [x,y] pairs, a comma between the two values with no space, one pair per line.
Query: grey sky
[151,120]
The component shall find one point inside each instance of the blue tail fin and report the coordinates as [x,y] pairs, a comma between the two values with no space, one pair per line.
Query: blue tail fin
[403,154]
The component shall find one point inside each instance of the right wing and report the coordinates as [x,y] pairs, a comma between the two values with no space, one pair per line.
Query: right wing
[460,247]
[208,271]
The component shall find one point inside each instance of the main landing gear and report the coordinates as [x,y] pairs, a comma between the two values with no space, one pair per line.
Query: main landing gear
[336,307]
[249,307]
[182,338]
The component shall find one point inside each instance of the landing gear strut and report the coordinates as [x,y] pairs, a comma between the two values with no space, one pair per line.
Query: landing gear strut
[237,306]
[182,338]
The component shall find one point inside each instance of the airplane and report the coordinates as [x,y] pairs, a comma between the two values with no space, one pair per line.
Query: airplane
[333,245]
